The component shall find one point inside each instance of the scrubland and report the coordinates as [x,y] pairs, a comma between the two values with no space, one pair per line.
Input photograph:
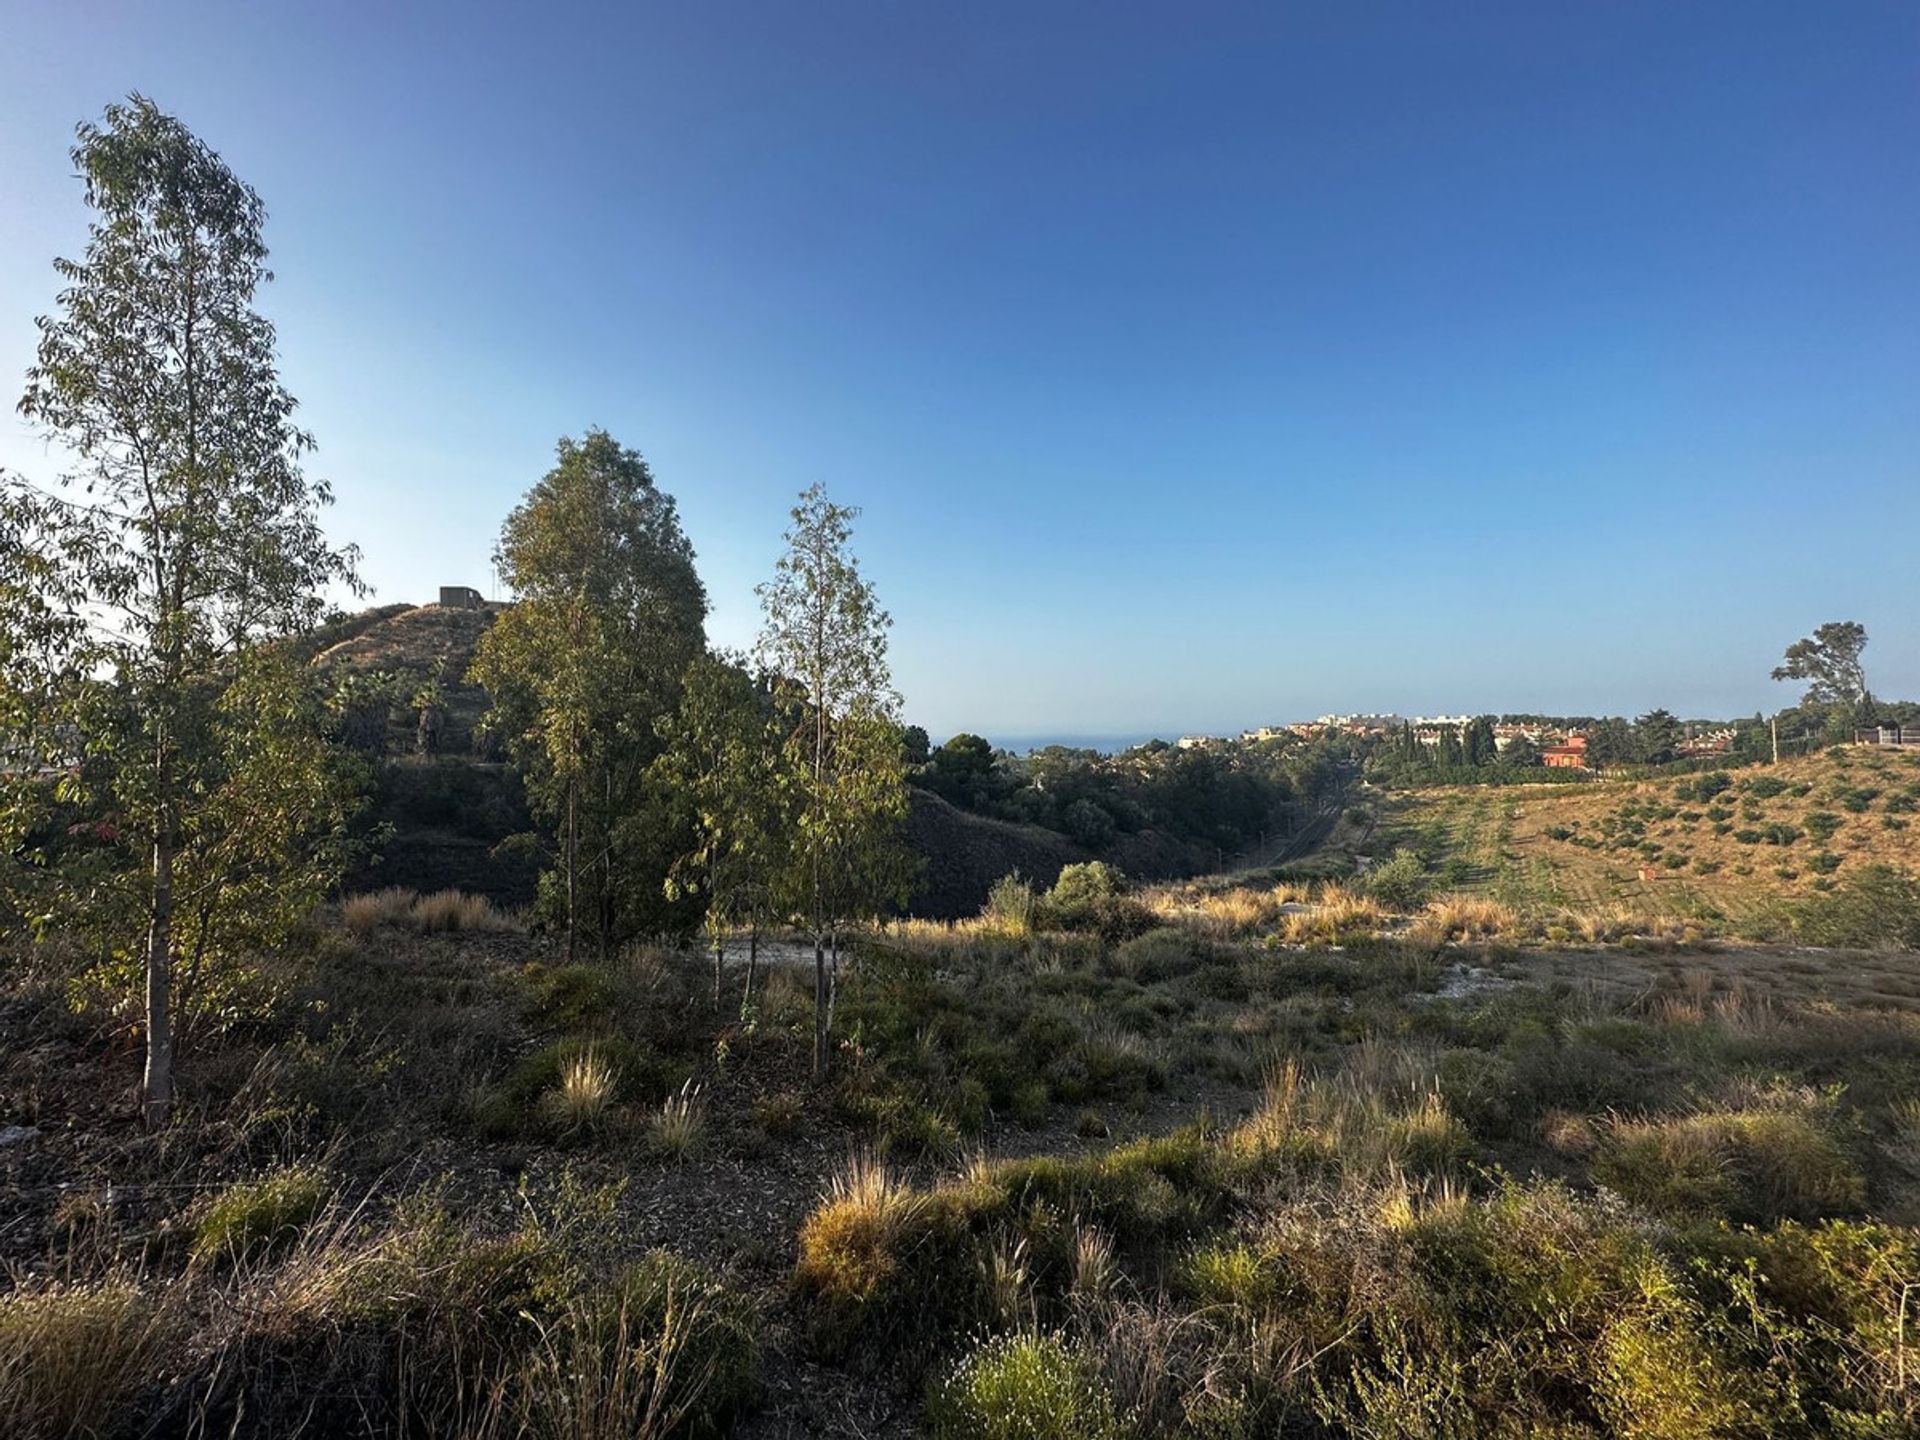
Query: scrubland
[1317,1159]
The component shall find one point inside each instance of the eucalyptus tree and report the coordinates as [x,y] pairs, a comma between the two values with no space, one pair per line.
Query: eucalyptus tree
[725,762]
[141,585]
[825,633]
[581,669]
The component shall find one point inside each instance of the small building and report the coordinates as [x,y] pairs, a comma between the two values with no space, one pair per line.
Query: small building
[461,597]
[1569,754]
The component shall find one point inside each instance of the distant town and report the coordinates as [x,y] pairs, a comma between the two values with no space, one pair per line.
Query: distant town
[1560,745]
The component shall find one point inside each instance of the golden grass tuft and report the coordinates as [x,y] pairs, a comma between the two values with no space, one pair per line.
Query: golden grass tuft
[363,914]
[586,1090]
[73,1356]
[677,1129]
[457,911]
[849,1244]
[1462,917]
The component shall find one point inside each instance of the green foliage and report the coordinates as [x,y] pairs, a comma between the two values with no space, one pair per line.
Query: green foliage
[1023,1387]
[1822,824]
[1400,883]
[1082,884]
[252,1216]
[138,594]
[583,667]
[1829,660]
[725,764]
[1878,906]
[1769,1162]
[825,636]
[1010,904]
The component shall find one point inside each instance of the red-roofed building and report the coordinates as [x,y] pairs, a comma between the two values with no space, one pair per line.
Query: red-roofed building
[1570,754]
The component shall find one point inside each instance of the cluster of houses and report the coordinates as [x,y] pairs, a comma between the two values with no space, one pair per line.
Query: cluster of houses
[1560,748]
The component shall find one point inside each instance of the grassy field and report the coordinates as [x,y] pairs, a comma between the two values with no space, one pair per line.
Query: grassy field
[1772,834]
[1215,1160]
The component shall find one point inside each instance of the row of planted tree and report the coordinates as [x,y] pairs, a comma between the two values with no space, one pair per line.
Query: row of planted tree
[169,798]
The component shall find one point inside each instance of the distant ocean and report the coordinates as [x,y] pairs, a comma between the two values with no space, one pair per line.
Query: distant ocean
[1106,744]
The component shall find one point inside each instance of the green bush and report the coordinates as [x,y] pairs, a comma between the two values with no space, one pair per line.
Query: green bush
[1083,884]
[1756,1165]
[1401,883]
[1878,906]
[253,1216]
[1022,1387]
[1821,824]
[1165,953]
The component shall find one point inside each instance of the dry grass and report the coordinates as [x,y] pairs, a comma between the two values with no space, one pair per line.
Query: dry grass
[1339,913]
[454,910]
[677,1129]
[1368,1132]
[1225,914]
[442,912]
[72,1356]
[363,914]
[586,1090]
[1462,917]
[849,1244]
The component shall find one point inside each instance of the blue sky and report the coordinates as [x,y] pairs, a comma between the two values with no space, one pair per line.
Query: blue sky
[1196,366]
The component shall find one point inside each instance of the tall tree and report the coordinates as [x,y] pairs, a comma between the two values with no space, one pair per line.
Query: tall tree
[826,633]
[186,534]
[1656,737]
[583,667]
[724,760]
[1829,660]
[1477,741]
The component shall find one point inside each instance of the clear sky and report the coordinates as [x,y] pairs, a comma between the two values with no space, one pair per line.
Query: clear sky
[1196,366]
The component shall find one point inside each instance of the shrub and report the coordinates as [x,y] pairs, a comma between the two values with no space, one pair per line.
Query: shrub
[1162,954]
[1401,883]
[1086,883]
[72,1357]
[252,1216]
[1823,862]
[1765,787]
[520,1098]
[1023,1387]
[1878,906]
[569,995]
[1821,824]
[1758,1165]
[780,1115]
[1010,905]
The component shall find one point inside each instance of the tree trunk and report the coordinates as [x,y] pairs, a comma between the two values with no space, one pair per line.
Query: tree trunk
[573,869]
[719,958]
[819,1006]
[833,976]
[753,959]
[156,1086]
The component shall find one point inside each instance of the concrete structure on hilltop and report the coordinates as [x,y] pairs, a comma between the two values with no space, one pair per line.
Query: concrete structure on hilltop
[461,597]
